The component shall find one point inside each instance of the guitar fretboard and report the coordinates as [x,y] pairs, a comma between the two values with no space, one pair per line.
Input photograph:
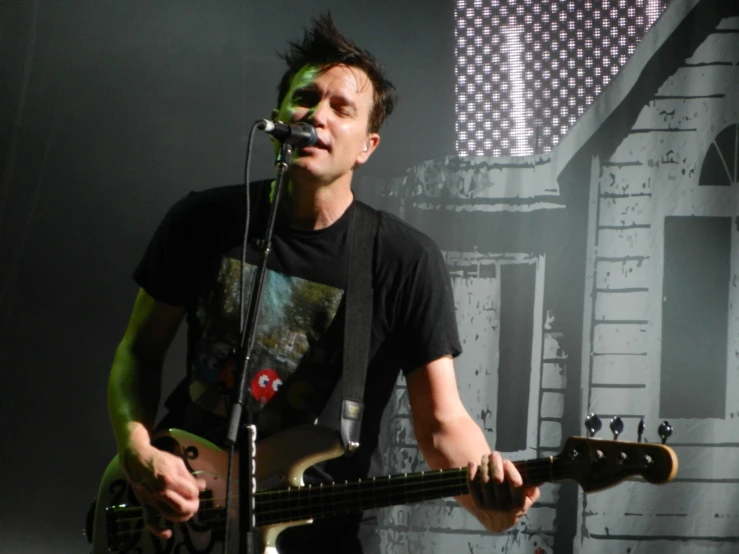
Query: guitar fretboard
[317,501]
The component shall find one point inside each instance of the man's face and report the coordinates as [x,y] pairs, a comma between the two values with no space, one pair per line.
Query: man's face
[337,102]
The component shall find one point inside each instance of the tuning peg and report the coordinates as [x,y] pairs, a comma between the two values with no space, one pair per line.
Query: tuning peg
[664,430]
[617,427]
[592,424]
[640,429]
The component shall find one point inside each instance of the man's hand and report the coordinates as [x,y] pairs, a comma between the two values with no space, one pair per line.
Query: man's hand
[500,497]
[161,481]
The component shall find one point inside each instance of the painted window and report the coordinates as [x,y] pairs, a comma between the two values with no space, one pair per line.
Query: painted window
[721,165]
[695,303]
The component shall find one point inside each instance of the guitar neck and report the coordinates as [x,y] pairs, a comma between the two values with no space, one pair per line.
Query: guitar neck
[323,500]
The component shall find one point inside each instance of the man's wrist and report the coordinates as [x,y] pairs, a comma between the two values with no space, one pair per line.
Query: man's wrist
[133,442]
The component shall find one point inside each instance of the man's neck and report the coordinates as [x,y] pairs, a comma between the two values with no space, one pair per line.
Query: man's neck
[316,207]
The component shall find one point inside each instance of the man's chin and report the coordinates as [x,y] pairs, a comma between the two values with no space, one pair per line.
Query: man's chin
[304,166]
[303,170]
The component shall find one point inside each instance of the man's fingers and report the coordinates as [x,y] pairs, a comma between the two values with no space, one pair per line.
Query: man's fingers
[185,485]
[154,524]
[486,469]
[496,466]
[498,485]
[175,507]
[489,496]
[532,494]
[163,534]
[167,489]
[170,503]
[473,472]
[511,473]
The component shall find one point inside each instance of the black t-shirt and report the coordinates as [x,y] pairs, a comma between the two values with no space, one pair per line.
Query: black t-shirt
[193,260]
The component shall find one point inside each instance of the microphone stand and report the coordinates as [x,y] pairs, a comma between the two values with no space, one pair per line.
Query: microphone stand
[241,430]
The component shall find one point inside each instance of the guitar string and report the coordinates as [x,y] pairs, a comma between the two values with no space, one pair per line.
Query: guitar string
[268,498]
[441,477]
[293,514]
[380,485]
[347,497]
[333,505]
[444,479]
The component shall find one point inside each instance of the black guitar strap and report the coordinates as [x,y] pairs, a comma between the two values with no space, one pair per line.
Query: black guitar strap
[358,320]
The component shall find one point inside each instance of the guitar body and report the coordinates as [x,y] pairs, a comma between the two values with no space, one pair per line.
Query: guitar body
[119,524]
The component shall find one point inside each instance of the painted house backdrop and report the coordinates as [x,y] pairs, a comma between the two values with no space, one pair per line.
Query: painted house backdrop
[603,278]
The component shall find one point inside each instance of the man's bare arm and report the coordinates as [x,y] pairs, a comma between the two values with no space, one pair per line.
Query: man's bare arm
[134,386]
[159,479]
[449,437]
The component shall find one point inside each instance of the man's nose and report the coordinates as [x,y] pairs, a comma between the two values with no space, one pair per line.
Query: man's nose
[318,114]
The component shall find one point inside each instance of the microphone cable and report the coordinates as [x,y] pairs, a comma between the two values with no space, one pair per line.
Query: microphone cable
[242,298]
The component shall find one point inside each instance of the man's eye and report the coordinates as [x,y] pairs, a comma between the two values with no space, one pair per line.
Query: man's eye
[300,100]
[304,98]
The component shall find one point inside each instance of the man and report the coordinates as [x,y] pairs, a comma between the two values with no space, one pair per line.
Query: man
[192,269]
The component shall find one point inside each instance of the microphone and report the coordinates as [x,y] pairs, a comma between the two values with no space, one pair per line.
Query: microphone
[296,134]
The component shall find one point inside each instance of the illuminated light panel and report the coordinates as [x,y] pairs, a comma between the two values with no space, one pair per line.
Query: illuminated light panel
[527,69]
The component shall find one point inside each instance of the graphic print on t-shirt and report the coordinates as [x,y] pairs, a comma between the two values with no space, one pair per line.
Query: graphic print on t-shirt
[294,336]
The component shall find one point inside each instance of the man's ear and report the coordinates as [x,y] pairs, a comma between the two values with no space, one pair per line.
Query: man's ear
[373,139]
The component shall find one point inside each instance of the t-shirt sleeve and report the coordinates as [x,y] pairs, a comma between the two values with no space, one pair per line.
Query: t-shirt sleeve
[167,270]
[426,316]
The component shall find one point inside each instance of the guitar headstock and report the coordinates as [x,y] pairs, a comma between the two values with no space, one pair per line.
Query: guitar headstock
[597,464]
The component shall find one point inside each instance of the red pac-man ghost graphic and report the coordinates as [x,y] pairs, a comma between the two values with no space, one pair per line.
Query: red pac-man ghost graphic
[265,384]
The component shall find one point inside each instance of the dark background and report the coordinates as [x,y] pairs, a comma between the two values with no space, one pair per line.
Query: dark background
[111,110]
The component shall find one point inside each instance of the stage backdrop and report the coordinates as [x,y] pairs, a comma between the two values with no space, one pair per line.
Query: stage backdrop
[594,258]
[601,277]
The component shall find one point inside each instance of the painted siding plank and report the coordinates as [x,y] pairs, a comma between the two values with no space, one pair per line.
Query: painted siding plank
[618,402]
[708,463]
[624,212]
[623,243]
[718,47]
[551,349]
[406,459]
[628,274]
[402,431]
[622,306]
[450,517]
[674,510]
[550,434]
[589,545]
[552,404]
[625,179]
[400,541]
[554,375]
[620,370]
[627,338]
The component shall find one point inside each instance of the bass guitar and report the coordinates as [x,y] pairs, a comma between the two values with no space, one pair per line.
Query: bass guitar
[282,500]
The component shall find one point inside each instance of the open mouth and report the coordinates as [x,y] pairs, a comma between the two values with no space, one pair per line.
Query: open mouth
[317,146]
